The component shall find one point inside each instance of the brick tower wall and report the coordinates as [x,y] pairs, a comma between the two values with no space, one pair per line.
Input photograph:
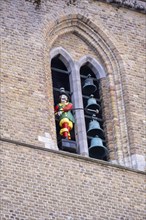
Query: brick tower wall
[27,102]
[42,185]
[45,184]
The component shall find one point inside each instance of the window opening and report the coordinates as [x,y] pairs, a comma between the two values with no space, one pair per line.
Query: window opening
[92,108]
[61,91]
[93,113]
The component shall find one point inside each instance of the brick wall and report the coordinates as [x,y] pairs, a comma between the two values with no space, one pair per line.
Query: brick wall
[45,185]
[42,185]
[27,101]
[27,37]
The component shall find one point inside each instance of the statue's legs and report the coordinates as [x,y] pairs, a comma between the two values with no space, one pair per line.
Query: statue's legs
[66,126]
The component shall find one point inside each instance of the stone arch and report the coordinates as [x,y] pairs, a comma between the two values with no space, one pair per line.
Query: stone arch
[64,57]
[89,32]
[95,66]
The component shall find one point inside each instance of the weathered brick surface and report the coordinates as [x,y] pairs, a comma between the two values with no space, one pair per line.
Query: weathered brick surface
[40,185]
[43,185]
[26,83]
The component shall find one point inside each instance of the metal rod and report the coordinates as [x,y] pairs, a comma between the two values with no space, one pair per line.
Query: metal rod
[86,116]
[70,93]
[87,97]
[60,70]
[93,117]
[85,77]
[58,90]
[89,137]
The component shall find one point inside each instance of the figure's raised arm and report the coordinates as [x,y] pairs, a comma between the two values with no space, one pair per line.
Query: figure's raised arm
[68,107]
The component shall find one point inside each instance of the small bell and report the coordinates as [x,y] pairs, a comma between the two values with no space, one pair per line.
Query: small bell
[97,149]
[89,87]
[92,106]
[94,129]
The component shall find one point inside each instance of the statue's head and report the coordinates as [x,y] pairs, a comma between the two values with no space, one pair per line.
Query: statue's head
[63,96]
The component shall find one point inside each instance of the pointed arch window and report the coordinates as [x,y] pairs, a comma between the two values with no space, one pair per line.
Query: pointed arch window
[92,102]
[72,77]
[60,79]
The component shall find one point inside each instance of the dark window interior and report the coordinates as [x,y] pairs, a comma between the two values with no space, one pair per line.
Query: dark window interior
[60,78]
[84,72]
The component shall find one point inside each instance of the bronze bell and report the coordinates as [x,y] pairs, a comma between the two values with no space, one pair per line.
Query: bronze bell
[89,87]
[97,149]
[92,106]
[94,129]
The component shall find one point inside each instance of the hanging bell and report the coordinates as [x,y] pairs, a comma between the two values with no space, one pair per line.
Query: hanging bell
[94,129]
[89,87]
[92,106]
[97,149]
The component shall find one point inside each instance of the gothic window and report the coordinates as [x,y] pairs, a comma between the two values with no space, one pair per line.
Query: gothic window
[60,78]
[92,103]
[88,131]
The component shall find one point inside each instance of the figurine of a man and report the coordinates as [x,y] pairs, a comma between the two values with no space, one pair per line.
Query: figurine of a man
[63,110]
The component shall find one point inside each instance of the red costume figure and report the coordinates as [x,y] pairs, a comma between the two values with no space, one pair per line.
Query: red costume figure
[66,119]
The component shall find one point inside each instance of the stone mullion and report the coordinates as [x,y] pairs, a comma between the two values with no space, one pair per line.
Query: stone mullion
[79,111]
